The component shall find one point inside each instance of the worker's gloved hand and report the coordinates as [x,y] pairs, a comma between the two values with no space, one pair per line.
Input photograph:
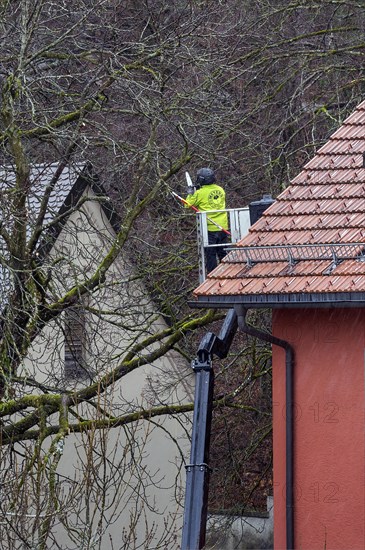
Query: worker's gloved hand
[190,190]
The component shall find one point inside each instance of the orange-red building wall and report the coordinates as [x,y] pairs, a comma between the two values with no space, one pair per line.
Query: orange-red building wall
[329,438]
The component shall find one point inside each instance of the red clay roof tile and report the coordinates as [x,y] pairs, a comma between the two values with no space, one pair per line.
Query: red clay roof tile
[325,204]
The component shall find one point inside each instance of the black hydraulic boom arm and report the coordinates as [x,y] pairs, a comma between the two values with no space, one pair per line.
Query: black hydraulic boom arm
[197,472]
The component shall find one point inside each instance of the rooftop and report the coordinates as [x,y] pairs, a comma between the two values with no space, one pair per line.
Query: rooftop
[309,246]
[65,185]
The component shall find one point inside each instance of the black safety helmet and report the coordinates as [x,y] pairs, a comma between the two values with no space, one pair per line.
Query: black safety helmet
[205,176]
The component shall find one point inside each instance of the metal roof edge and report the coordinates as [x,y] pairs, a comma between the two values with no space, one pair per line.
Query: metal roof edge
[87,177]
[91,178]
[277,301]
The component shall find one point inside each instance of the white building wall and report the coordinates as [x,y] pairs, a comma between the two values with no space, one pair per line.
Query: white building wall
[127,481]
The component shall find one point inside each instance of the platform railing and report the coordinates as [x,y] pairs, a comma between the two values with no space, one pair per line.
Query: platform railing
[239,223]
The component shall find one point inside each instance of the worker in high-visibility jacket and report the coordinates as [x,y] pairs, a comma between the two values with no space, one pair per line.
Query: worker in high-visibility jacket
[210,197]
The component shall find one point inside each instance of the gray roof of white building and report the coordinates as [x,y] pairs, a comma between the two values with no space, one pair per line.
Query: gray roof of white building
[66,186]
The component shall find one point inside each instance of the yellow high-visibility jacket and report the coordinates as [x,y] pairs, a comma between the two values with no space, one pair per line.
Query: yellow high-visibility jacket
[210,197]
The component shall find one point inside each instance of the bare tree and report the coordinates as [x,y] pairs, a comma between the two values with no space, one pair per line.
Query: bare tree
[142,90]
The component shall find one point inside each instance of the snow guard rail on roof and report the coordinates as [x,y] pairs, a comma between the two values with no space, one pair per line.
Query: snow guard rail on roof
[296,253]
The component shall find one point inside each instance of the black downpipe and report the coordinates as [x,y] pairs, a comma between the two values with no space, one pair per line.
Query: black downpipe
[289,414]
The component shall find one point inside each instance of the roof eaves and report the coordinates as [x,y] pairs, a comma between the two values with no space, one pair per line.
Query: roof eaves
[89,177]
[86,178]
[273,301]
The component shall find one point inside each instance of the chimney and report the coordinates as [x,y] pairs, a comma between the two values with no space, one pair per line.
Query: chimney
[257,208]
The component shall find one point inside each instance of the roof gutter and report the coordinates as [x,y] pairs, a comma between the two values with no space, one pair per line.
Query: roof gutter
[274,301]
[289,409]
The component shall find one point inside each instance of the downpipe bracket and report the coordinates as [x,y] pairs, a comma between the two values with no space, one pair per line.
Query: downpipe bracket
[203,467]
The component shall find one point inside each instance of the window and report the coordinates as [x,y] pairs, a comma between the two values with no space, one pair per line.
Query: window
[75,367]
